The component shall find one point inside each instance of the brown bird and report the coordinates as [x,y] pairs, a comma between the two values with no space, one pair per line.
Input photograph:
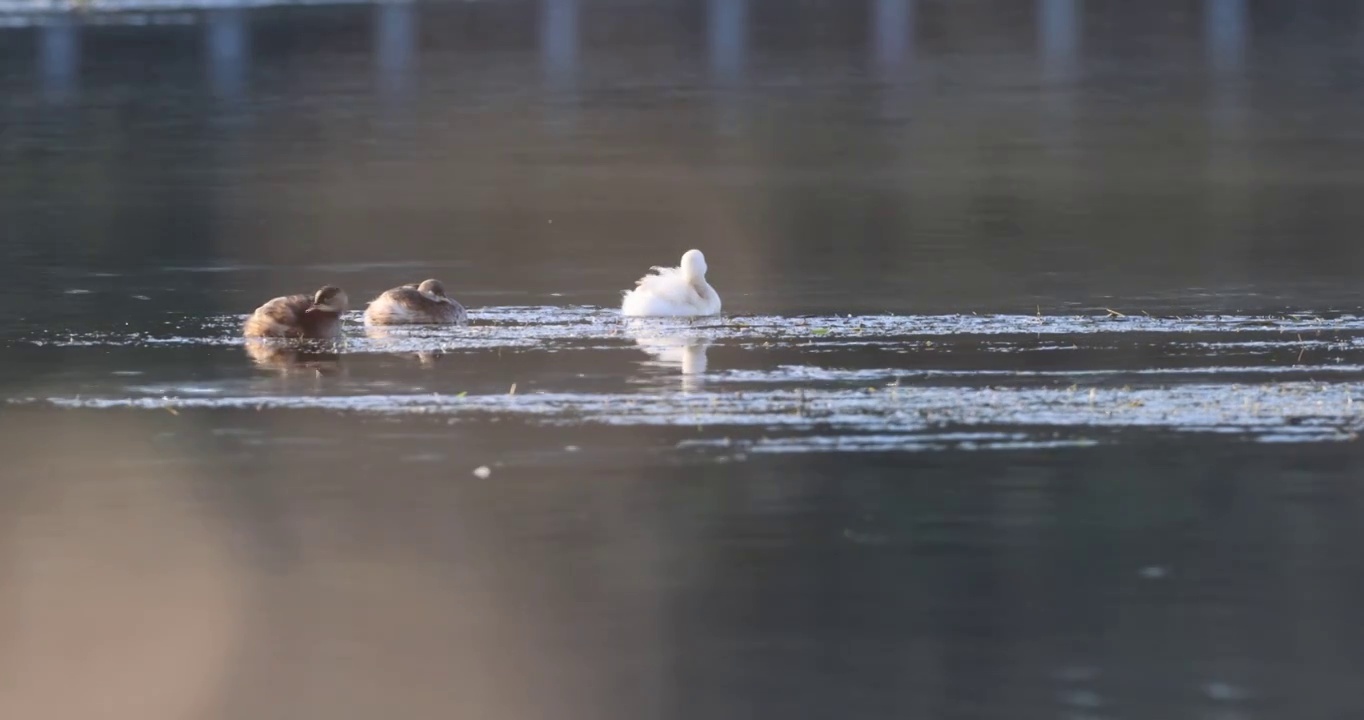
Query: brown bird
[424,304]
[300,316]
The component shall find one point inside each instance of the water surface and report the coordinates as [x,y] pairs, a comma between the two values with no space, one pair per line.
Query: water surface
[1037,392]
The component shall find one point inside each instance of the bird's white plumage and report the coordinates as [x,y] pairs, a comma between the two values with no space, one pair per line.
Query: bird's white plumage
[673,292]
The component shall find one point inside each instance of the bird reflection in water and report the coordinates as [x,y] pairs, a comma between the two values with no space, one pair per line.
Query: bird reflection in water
[393,336]
[292,357]
[686,354]
[429,359]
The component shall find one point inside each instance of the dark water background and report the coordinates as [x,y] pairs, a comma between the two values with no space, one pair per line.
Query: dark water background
[920,470]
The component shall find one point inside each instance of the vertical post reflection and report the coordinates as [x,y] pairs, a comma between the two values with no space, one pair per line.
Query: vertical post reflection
[1058,28]
[227,52]
[395,32]
[59,57]
[1224,31]
[559,56]
[1224,36]
[892,33]
[727,37]
[892,47]
[226,35]
[891,38]
[1227,161]
[727,45]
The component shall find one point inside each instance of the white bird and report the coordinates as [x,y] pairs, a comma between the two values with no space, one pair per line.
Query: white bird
[673,292]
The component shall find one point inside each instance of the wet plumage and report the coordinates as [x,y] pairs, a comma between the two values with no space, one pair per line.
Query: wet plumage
[300,316]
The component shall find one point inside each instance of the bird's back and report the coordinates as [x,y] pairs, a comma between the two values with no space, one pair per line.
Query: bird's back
[279,317]
[408,305]
[668,292]
[292,316]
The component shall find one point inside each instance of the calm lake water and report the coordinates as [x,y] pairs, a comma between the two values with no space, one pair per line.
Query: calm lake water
[1037,393]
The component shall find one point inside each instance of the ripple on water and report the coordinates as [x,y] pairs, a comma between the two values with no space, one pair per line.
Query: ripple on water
[1279,411]
[1247,377]
[524,326]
